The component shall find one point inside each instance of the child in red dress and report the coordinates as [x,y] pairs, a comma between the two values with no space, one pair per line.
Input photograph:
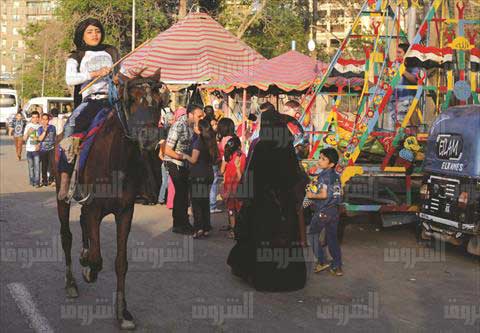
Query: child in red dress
[233,166]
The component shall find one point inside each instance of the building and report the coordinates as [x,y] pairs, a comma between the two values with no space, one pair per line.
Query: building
[334,22]
[15,16]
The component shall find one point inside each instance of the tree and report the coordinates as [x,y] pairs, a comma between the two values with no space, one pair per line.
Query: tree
[268,26]
[44,52]
[116,15]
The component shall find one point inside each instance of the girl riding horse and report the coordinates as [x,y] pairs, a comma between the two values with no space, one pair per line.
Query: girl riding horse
[90,60]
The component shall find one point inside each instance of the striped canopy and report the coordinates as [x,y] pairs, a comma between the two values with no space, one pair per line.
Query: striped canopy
[289,71]
[194,50]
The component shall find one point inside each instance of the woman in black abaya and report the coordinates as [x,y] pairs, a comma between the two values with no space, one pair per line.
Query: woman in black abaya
[268,253]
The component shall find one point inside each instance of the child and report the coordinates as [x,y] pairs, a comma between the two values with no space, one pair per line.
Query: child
[31,146]
[46,136]
[233,165]
[16,128]
[325,204]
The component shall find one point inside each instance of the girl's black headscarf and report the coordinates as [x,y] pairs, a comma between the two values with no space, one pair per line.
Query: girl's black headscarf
[80,30]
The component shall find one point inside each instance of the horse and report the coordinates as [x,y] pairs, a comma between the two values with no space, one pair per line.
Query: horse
[114,156]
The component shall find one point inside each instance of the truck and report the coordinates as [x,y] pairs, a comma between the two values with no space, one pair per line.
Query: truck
[450,190]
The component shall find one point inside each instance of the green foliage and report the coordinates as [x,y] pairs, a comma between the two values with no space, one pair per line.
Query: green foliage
[116,16]
[271,34]
[44,51]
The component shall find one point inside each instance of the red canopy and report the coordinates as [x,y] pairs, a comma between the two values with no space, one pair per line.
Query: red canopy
[289,71]
[194,50]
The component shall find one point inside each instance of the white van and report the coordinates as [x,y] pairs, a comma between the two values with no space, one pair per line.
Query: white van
[8,105]
[45,105]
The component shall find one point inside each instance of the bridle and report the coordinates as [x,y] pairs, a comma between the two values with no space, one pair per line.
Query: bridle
[123,104]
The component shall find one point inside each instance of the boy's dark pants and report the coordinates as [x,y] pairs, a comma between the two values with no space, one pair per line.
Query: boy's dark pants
[330,223]
[46,160]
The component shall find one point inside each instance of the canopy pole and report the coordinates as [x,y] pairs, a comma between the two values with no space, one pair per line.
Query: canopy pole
[244,114]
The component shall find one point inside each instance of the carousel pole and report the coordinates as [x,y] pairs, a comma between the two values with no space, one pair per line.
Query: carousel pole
[244,114]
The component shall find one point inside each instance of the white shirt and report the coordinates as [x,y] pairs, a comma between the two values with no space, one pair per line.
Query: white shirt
[91,61]
[58,123]
[32,140]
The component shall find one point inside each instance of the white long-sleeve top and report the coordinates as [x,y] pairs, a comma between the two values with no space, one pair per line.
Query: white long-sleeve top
[92,61]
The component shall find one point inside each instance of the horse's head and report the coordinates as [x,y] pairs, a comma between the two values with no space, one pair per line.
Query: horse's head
[143,100]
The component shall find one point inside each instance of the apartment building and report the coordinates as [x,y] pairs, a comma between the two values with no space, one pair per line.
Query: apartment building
[15,15]
[335,19]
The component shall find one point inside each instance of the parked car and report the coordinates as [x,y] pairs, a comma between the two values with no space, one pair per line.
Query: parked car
[46,104]
[450,208]
[8,105]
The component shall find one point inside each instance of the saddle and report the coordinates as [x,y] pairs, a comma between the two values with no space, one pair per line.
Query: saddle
[76,149]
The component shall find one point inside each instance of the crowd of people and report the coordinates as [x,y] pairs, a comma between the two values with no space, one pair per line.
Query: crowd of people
[203,159]
[39,136]
[273,205]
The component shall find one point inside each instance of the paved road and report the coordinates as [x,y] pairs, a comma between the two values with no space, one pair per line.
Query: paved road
[389,284]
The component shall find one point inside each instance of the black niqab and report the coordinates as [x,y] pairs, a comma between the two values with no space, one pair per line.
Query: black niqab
[269,215]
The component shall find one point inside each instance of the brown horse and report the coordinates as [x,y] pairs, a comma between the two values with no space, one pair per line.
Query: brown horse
[111,180]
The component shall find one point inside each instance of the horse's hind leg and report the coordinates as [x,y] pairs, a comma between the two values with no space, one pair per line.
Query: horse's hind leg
[124,222]
[66,236]
[92,218]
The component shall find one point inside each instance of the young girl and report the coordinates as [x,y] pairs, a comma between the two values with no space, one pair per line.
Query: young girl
[232,168]
[204,155]
[90,60]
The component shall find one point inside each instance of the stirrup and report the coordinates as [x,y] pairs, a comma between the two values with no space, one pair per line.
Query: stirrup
[73,181]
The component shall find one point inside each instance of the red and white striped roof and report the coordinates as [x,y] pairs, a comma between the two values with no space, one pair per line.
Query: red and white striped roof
[289,71]
[194,50]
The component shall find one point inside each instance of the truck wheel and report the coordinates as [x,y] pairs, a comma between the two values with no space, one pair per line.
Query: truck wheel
[473,246]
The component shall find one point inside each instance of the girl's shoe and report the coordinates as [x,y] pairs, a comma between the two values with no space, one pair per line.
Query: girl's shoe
[231,234]
[336,271]
[321,267]
[198,234]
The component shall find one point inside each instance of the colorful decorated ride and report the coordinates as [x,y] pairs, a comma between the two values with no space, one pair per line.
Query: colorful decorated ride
[379,135]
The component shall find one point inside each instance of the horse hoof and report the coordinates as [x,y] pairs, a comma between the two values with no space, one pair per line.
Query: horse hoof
[71,291]
[88,275]
[127,324]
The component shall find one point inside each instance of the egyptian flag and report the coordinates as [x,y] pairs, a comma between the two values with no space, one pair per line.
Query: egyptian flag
[447,62]
[424,56]
[349,68]
[475,60]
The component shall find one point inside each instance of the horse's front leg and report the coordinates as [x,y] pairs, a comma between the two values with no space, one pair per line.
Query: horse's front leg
[63,210]
[93,218]
[85,243]
[124,222]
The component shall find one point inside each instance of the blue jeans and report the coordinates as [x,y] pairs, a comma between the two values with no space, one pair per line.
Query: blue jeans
[70,124]
[164,186]
[33,158]
[214,190]
[330,226]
